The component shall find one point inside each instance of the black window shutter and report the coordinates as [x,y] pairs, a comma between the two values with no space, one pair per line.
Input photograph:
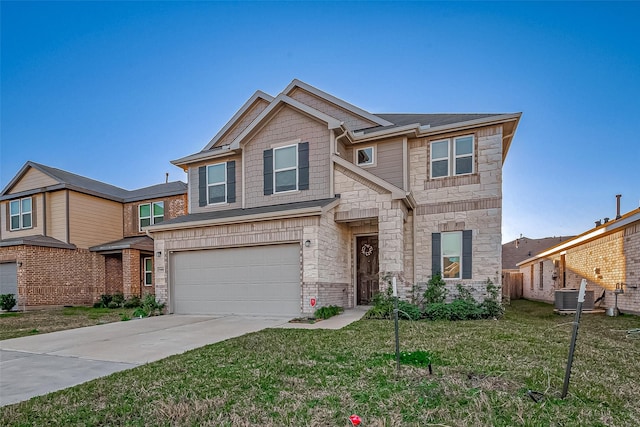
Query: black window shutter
[202,186]
[436,268]
[303,166]
[467,264]
[231,182]
[268,172]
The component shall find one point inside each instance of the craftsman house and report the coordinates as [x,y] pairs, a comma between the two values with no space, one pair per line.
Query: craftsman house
[304,199]
[66,239]
[608,256]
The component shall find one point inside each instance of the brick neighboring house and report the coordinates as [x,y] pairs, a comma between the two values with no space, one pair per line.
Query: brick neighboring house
[304,198]
[66,239]
[607,255]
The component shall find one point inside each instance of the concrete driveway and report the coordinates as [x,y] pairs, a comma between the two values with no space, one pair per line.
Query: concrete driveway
[37,365]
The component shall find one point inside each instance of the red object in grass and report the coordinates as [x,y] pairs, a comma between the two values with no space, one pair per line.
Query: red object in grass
[355,420]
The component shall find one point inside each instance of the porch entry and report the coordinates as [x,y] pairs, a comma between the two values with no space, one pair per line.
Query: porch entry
[367,284]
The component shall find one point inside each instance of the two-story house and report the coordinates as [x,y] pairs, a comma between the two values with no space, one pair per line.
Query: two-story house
[66,239]
[304,198]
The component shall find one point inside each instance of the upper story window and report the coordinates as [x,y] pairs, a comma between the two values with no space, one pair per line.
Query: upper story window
[365,156]
[150,213]
[20,212]
[285,168]
[451,157]
[217,183]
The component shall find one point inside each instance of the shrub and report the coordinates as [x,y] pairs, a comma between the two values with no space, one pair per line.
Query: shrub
[328,311]
[464,309]
[464,294]
[151,306]
[382,306]
[436,291]
[118,299]
[132,302]
[97,304]
[113,304]
[408,311]
[437,311]
[139,312]
[105,299]
[7,301]
[491,307]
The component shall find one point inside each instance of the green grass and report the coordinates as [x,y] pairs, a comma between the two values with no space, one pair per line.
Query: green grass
[292,377]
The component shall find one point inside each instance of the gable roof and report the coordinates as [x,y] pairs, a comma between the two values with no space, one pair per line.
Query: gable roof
[522,248]
[82,184]
[387,123]
[592,234]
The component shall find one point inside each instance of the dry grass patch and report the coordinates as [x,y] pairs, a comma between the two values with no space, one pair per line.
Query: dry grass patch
[20,324]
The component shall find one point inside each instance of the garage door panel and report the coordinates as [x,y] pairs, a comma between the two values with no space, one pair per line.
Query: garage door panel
[262,280]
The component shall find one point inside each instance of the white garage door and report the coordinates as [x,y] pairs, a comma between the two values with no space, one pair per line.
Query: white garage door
[8,278]
[261,280]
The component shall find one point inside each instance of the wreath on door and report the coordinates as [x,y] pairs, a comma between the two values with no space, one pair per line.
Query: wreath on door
[366,249]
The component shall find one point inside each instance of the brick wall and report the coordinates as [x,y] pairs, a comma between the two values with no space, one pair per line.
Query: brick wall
[606,261]
[54,276]
[113,274]
[131,272]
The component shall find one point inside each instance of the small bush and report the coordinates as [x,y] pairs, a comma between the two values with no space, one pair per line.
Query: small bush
[382,306]
[7,301]
[408,311]
[118,299]
[464,309]
[97,304]
[139,312]
[113,304]
[328,311]
[437,311]
[105,299]
[436,291]
[132,302]
[151,306]
[492,309]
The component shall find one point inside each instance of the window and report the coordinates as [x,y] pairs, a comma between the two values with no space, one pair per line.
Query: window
[541,277]
[150,213]
[147,266]
[20,212]
[285,168]
[365,156]
[451,157]
[451,254]
[217,183]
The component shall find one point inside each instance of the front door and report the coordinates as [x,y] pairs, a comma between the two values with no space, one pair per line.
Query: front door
[367,268]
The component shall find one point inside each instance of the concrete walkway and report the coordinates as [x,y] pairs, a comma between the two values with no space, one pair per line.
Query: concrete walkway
[40,364]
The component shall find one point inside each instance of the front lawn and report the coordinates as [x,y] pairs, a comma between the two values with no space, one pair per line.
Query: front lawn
[20,324]
[290,377]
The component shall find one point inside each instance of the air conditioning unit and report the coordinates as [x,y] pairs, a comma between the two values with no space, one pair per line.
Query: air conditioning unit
[567,299]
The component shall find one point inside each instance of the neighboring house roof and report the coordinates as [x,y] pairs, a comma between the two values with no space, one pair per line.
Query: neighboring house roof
[311,207]
[38,240]
[520,249]
[592,234]
[82,184]
[143,243]
[431,120]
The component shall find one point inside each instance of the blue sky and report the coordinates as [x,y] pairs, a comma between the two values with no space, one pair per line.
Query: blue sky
[116,90]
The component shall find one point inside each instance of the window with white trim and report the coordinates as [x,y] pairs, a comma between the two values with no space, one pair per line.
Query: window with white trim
[217,183]
[451,250]
[150,213]
[365,156]
[285,168]
[21,215]
[147,265]
[453,156]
